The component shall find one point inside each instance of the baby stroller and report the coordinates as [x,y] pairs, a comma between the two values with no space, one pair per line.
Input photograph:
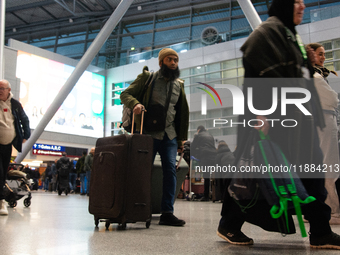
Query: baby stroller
[17,186]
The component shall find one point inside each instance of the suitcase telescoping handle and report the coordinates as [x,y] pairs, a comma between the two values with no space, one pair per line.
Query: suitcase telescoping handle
[179,161]
[142,121]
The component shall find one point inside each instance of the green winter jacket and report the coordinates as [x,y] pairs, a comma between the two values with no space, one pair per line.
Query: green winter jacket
[130,96]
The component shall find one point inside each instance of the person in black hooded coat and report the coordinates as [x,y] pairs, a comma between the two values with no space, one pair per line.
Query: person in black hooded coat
[273,51]
[224,157]
[203,148]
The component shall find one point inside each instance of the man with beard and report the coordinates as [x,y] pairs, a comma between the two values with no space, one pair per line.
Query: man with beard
[174,132]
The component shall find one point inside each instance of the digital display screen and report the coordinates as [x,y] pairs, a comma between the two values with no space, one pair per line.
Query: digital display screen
[82,112]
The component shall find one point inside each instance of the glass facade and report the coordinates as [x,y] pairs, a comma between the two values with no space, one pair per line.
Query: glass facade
[228,72]
[332,49]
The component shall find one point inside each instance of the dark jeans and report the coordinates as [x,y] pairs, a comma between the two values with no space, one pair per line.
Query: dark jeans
[47,182]
[167,149]
[72,179]
[82,183]
[5,158]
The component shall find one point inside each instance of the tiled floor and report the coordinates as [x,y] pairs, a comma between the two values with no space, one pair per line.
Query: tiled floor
[62,225]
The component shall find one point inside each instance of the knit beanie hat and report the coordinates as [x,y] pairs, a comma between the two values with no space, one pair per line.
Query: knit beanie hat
[166,52]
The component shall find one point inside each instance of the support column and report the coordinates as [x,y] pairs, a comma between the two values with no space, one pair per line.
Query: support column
[250,13]
[2,37]
[84,62]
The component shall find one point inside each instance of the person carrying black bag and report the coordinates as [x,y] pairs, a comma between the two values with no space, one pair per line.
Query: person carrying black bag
[166,120]
[275,50]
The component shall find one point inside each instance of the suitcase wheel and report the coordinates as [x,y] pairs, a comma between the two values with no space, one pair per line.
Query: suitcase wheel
[96,222]
[147,224]
[123,227]
[107,224]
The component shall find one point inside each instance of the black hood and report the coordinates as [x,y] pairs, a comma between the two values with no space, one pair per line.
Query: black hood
[223,148]
[284,10]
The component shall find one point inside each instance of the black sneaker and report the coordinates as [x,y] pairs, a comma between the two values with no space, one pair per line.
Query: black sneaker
[330,241]
[234,237]
[170,220]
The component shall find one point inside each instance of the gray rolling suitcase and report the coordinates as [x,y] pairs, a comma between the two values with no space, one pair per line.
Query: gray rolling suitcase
[120,187]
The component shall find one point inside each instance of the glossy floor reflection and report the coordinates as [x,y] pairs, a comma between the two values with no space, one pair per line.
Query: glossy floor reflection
[62,225]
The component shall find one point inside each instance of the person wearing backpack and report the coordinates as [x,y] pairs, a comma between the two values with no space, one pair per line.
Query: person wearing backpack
[203,148]
[64,166]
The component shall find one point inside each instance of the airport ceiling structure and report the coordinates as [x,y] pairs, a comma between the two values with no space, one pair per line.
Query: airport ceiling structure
[66,26]
[44,16]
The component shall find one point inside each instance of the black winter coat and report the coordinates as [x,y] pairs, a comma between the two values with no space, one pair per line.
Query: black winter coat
[203,148]
[21,123]
[224,156]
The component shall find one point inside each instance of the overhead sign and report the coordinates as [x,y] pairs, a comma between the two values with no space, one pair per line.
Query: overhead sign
[48,147]
[46,153]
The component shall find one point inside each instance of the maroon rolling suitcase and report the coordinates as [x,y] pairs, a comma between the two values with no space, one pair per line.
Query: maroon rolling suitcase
[120,187]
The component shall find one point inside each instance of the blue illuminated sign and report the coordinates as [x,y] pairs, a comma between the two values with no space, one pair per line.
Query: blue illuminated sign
[48,147]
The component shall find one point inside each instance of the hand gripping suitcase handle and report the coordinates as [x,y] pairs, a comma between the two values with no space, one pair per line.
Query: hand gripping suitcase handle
[142,121]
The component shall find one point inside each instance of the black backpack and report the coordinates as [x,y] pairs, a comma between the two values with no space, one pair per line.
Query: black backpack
[64,169]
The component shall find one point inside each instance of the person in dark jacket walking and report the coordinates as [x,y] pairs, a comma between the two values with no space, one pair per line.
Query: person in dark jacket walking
[64,166]
[224,157]
[73,177]
[275,50]
[54,175]
[14,130]
[80,166]
[203,148]
[48,176]
[88,166]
